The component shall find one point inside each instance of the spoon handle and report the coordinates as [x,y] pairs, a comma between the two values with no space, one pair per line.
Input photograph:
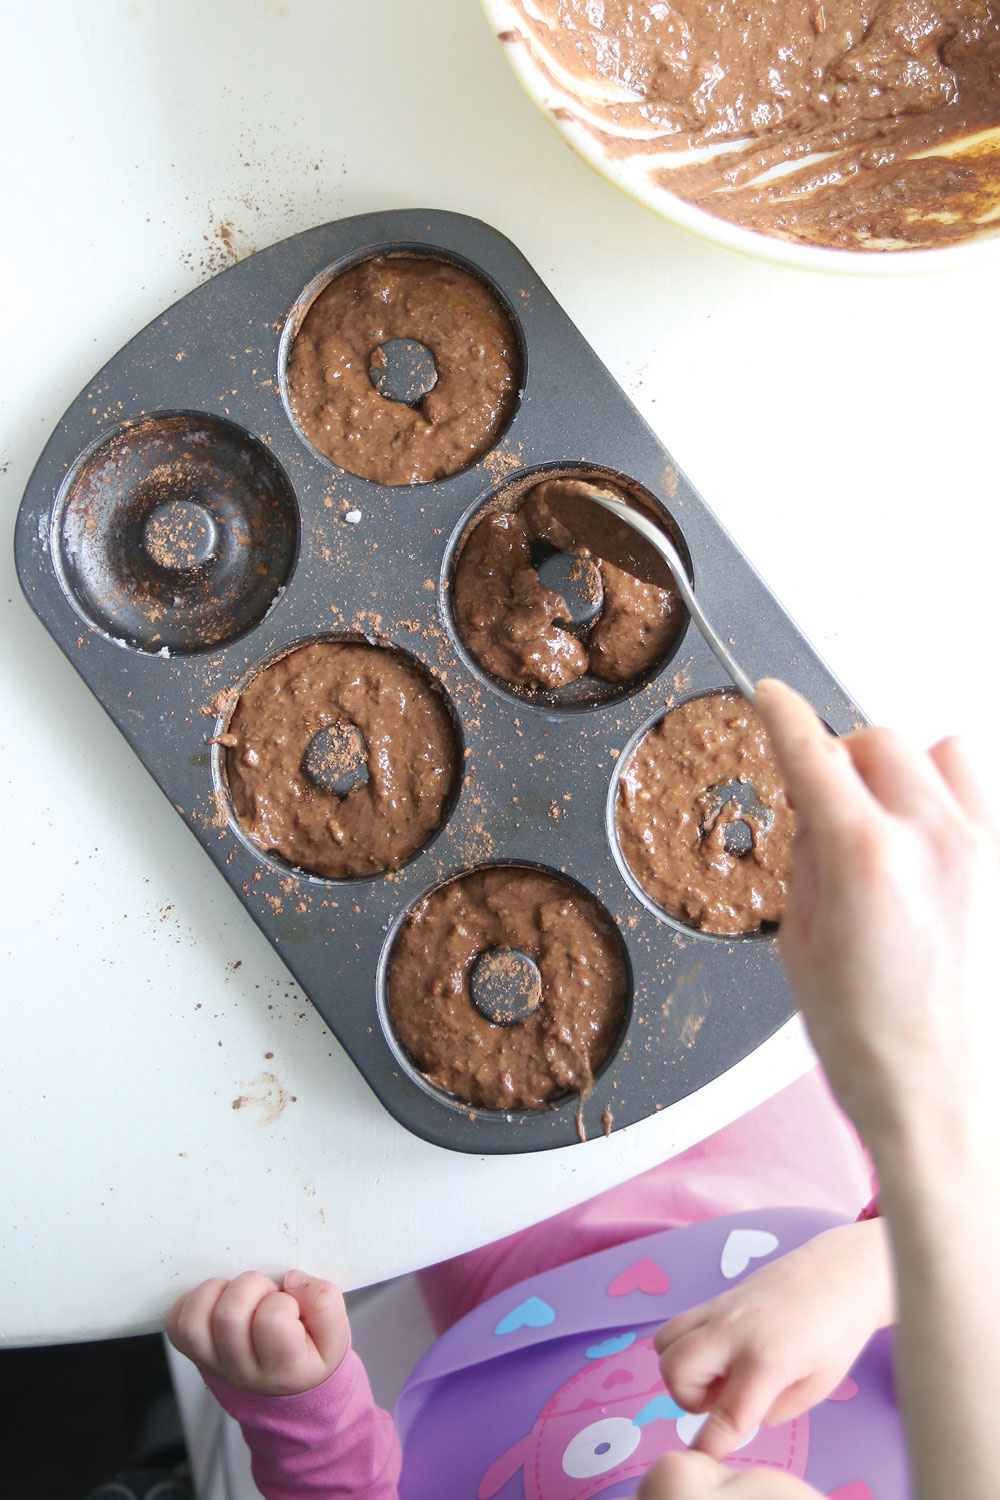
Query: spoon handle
[672,558]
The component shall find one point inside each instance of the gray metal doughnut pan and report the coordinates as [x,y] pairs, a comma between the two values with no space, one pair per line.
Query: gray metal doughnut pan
[538,781]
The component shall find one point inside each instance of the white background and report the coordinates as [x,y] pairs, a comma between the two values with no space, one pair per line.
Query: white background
[845,431]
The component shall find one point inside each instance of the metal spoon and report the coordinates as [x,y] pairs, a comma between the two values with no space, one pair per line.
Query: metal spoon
[631,541]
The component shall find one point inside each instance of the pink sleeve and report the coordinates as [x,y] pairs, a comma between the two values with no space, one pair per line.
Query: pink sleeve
[329,1443]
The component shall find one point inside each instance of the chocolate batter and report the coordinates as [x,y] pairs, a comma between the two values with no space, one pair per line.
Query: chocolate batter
[583,987]
[433,303]
[412,758]
[511,622]
[751,86]
[705,767]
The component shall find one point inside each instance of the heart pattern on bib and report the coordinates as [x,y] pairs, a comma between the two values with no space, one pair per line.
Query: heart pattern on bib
[644,1276]
[534,1313]
[742,1246]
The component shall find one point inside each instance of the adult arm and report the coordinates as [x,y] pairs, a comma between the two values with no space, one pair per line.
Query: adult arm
[892,906]
[894,902]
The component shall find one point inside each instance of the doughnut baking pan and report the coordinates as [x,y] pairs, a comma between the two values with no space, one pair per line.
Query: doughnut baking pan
[178,533]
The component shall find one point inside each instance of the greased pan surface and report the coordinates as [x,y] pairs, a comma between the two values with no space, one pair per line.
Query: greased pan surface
[195,402]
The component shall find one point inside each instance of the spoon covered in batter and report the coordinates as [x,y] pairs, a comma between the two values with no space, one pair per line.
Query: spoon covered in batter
[630,540]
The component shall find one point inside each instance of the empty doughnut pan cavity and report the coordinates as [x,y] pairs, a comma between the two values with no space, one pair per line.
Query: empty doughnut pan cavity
[176,533]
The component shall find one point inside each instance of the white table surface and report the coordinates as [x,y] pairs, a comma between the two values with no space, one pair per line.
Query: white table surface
[844,430]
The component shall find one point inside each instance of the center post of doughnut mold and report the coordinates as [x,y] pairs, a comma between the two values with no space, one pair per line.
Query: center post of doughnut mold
[505,985]
[180,536]
[336,758]
[402,370]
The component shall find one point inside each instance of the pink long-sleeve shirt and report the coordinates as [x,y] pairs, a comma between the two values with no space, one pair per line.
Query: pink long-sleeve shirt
[326,1444]
[795,1151]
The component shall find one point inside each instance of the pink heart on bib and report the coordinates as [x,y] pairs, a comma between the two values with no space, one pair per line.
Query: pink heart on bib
[644,1276]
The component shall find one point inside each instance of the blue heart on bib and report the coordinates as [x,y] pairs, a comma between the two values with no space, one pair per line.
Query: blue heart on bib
[613,1345]
[661,1408]
[534,1313]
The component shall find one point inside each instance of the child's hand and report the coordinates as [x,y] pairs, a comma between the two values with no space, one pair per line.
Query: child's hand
[690,1476]
[782,1339]
[259,1337]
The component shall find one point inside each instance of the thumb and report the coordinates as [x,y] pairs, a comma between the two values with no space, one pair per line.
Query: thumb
[322,1312]
[682,1476]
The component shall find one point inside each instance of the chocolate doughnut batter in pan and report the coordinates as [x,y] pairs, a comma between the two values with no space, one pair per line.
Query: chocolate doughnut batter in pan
[511,621]
[428,301]
[412,758]
[676,807]
[583,987]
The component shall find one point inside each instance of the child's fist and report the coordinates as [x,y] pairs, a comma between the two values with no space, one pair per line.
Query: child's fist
[257,1336]
[781,1340]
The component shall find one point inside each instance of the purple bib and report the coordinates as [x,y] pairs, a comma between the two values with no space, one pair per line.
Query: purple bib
[551,1390]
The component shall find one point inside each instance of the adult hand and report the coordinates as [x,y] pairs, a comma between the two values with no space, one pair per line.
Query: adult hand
[894,895]
[692,1476]
[257,1336]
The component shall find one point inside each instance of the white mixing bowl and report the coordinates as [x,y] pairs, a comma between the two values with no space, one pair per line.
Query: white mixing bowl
[556,103]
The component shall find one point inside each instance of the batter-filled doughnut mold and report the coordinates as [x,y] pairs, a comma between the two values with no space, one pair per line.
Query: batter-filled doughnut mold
[402,369]
[341,757]
[277,630]
[701,819]
[540,615]
[507,987]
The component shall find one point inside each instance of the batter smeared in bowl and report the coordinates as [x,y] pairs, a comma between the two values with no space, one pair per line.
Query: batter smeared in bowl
[834,122]
[582,992]
[518,629]
[280,769]
[702,818]
[426,301]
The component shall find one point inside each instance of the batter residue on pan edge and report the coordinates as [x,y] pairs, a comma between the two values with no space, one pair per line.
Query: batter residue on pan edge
[705,768]
[834,122]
